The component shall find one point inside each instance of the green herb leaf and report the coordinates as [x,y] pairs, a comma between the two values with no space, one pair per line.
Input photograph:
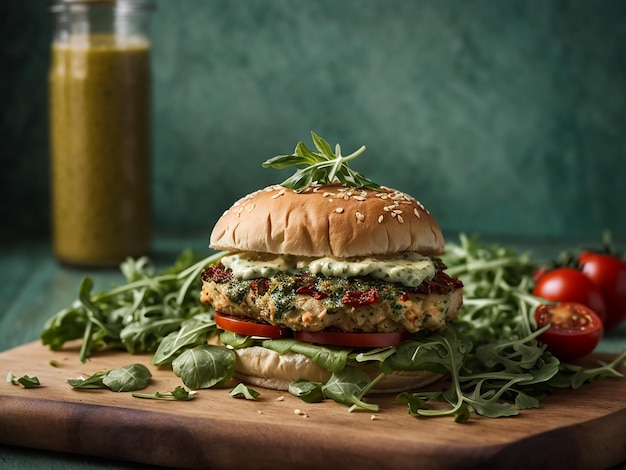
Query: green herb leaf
[241,391]
[348,386]
[179,393]
[205,366]
[193,332]
[325,166]
[332,360]
[308,391]
[122,379]
[235,340]
[128,378]
[25,381]
[414,401]
[92,382]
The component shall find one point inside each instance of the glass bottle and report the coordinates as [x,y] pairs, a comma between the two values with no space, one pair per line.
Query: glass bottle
[99,84]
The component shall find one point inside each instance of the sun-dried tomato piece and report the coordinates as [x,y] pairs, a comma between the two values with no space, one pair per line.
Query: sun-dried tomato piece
[260,286]
[217,273]
[309,289]
[361,298]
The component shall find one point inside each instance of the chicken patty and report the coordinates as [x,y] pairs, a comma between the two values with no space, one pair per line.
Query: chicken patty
[314,302]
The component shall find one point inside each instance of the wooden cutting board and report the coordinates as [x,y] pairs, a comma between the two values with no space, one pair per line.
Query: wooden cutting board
[581,428]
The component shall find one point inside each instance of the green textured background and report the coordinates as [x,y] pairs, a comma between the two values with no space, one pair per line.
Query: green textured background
[503,117]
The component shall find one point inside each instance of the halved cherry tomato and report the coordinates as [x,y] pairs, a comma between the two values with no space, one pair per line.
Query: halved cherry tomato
[571,285]
[247,327]
[609,274]
[353,340]
[575,330]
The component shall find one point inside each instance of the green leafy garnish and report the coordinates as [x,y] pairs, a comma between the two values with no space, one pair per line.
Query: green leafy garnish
[138,315]
[205,366]
[323,166]
[122,379]
[179,393]
[244,392]
[306,390]
[23,381]
[348,386]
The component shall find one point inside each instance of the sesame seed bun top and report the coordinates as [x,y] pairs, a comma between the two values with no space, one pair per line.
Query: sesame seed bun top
[328,220]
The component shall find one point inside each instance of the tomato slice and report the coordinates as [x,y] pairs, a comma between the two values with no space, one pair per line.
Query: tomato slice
[248,327]
[575,330]
[353,340]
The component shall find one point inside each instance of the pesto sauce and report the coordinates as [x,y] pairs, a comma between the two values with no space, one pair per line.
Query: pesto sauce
[409,269]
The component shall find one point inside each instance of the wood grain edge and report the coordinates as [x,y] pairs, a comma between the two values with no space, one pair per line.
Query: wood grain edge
[154,438]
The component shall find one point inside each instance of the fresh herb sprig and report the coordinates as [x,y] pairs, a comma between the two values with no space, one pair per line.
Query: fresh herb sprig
[324,166]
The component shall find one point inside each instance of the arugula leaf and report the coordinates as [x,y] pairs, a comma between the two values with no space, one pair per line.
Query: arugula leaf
[308,391]
[205,366]
[242,391]
[332,360]
[122,379]
[24,381]
[127,378]
[348,386]
[92,382]
[193,332]
[235,340]
[415,402]
[179,393]
[324,166]
[135,316]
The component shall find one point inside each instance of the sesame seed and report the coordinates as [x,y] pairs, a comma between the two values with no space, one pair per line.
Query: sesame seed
[339,210]
[380,219]
[278,194]
[251,207]
[360,216]
[400,219]
[416,212]
[359,198]
[280,398]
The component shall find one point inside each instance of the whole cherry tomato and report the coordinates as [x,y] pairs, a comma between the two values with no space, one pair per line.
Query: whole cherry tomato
[609,274]
[571,285]
[575,330]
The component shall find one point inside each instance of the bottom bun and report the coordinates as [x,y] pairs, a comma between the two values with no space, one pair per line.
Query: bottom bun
[263,367]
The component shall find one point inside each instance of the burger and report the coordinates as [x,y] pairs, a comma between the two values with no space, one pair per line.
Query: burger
[327,270]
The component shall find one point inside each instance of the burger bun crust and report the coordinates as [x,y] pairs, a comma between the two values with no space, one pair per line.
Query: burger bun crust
[328,220]
[262,367]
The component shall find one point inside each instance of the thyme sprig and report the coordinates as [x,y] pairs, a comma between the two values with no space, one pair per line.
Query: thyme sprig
[325,166]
